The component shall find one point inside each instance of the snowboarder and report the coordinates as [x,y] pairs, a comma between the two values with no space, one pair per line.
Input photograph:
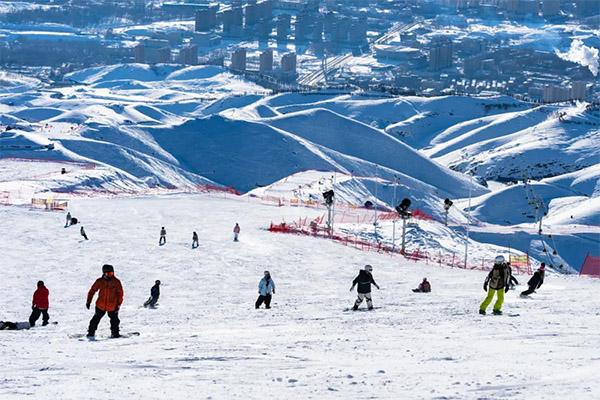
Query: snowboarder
[236,232]
[364,281]
[109,300]
[536,280]
[497,280]
[154,294]
[82,233]
[68,219]
[424,287]
[266,288]
[163,236]
[39,305]
[512,281]
[194,240]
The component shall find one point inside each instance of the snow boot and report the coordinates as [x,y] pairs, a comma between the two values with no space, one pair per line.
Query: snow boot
[355,308]
[482,312]
[370,308]
[497,312]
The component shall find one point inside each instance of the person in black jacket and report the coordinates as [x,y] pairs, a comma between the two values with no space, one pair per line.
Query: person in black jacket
[536,280]
[154,295]
[194,240]
[364,281]
[512,281]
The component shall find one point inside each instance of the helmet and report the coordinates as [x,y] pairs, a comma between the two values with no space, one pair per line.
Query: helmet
[157,282]
[267,273]
[107,268]
[368,268]
[542,267]
[40,283]
[499,260]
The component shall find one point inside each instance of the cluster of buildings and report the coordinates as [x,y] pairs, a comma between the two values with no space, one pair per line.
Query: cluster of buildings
[419,46]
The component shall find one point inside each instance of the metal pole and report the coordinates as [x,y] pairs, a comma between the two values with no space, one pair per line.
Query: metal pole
[468,220]
[329,222]
[403,235]
[393,235]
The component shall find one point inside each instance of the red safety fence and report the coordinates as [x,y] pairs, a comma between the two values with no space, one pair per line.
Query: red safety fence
[451,260]
[590,266]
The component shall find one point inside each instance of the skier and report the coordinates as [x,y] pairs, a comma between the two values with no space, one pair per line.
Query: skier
[497,280]
[154,294]
[68,219]
[512,281]
[536,280]
[364,281]
[194,240]
[163,236]
[82,233]
[39,305]
[109,300]
[266,287]
[236,232]
[424,287]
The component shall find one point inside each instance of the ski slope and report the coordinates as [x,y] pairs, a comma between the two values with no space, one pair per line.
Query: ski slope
[206,340]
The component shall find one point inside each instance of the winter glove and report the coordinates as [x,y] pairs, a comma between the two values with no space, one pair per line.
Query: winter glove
[273,291]
[87,305]
[32,308]
[506,289]
[485,287]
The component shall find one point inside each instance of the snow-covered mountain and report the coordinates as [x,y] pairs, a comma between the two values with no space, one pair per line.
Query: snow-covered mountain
[132,128]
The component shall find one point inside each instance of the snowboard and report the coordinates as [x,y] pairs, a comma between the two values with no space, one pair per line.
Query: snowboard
[364,309]
[83,336]
[501,315]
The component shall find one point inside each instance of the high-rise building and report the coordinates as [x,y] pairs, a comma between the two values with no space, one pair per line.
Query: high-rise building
[579,90]
[288,63]
[440,53]
[250,13]
[238,60]
[189,55]
[283,26]
[153,51]
[233,21]
[206,19]
[553,94]
[139,54]
[266,61]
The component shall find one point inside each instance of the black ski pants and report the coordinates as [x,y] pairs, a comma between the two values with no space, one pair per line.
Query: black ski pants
[114,322]
[528,291]
[162,240]
[35,315]
[266,299]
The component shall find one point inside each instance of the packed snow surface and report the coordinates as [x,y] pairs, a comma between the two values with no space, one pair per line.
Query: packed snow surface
[206,340]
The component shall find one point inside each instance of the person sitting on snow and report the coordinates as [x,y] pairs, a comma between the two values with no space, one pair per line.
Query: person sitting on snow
[13,326]
[424,287]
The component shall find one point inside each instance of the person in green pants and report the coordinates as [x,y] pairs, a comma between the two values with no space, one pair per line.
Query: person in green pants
[497,282]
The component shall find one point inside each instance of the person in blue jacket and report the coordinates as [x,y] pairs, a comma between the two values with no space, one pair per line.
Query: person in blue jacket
[266,288]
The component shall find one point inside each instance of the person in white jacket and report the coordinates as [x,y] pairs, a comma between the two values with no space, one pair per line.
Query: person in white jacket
[266,288]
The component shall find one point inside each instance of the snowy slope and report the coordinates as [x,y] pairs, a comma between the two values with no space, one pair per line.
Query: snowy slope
[206,338]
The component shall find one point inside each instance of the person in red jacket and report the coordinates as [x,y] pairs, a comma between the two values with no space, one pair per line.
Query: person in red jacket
[110,298]
[39,305]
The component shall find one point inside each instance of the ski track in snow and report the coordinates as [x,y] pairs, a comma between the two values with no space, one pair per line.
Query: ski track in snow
[205,340]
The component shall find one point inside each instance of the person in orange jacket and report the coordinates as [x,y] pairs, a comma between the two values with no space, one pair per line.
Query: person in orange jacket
[109,301]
